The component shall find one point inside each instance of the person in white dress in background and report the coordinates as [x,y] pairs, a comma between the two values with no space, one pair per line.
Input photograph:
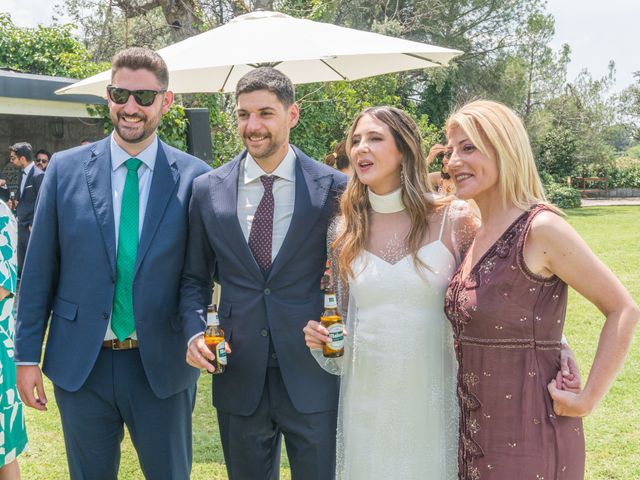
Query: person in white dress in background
[392,253]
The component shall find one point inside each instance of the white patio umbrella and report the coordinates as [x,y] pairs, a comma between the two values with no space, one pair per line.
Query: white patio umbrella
[306,51]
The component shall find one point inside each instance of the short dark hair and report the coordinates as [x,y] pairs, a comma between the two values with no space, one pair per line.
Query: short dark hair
[268,78]
[42,150]
[138,58]
[22,149]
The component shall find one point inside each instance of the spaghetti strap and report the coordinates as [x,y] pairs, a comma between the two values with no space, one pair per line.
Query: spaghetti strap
[444,220]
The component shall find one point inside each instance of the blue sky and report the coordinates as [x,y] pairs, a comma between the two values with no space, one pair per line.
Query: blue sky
[597,30]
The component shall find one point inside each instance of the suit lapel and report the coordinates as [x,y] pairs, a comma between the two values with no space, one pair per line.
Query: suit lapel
[97,170]
[312,190]
[26,182]
[29,179]
[224,197]
[163,183]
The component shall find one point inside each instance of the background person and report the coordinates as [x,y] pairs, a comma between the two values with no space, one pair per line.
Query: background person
[21,157]
[42,159]
[339,159]
[440,180]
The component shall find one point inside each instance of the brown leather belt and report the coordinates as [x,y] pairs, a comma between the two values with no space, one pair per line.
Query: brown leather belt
[115,344]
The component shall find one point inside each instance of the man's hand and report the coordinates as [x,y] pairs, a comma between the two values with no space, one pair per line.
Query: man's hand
[199,355]
[28,379]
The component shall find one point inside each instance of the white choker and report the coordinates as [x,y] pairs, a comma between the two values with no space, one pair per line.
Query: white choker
[389,203]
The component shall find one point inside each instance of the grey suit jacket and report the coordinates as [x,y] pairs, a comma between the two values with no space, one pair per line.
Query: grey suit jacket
[71,268]
[256,308]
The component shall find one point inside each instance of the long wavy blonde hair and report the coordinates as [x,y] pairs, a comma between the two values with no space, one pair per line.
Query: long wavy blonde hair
[499,134]
[415,187]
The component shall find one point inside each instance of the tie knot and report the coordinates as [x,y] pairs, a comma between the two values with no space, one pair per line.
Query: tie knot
[267,181]
[133,164]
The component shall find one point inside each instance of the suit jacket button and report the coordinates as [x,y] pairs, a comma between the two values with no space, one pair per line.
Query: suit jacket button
[267,291]
[274,356]
[264,332]
[105,316]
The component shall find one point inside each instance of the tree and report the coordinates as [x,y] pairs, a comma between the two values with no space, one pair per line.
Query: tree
[545,72]
[507,58]
[579,116]
[44,50]
[629,105]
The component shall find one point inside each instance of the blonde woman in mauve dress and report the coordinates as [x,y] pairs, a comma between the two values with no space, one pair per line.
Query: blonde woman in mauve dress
[507,303]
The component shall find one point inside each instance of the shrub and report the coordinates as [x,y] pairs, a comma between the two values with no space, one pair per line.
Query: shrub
[624,172]
[562,196]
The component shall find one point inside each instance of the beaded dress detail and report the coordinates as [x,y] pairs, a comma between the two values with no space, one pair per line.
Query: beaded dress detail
[398,415]
[508,324]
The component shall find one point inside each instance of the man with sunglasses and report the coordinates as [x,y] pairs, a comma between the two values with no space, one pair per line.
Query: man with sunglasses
[105,258]
[42,159]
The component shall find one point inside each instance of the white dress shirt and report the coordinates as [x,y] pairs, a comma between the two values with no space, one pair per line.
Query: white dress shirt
[23,180]
[118,179]
[251,190]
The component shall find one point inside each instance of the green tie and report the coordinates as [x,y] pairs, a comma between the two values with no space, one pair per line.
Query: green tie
[122,320]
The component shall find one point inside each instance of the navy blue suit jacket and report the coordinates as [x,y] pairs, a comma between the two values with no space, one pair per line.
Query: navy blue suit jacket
[255,307]
[71,268]
[27,200]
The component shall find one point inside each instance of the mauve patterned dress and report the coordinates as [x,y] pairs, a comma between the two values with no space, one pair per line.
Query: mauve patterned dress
[507,325]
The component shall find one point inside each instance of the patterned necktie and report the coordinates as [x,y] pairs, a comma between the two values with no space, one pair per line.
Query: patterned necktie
[261,236]
[122,320]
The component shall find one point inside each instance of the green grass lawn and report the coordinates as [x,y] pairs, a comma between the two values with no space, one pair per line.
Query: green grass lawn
[613,431]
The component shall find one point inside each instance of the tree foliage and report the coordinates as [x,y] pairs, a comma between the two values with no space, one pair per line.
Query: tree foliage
[629,104]
[507,57]
[44,50]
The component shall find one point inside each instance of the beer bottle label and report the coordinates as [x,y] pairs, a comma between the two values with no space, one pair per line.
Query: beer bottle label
[336,334]
[221,353]
[330,300]
[212,318]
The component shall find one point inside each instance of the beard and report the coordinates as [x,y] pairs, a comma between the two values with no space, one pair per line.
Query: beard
[138,134]
[268,149]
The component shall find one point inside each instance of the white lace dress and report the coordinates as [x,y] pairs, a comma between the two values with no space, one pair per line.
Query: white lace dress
[398,414]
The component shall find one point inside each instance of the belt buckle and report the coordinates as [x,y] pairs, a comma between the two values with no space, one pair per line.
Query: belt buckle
[121,345]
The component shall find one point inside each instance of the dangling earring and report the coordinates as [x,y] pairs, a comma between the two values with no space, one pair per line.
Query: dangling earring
[401,176]
[444,173]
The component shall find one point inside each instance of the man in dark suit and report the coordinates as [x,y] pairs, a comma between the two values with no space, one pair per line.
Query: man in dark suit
[258,225]
[30,179]
[105,258]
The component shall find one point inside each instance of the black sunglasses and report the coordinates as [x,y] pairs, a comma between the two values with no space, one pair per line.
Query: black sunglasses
[144,98]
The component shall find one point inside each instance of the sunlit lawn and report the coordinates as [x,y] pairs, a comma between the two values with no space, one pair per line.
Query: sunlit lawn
[613,431]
